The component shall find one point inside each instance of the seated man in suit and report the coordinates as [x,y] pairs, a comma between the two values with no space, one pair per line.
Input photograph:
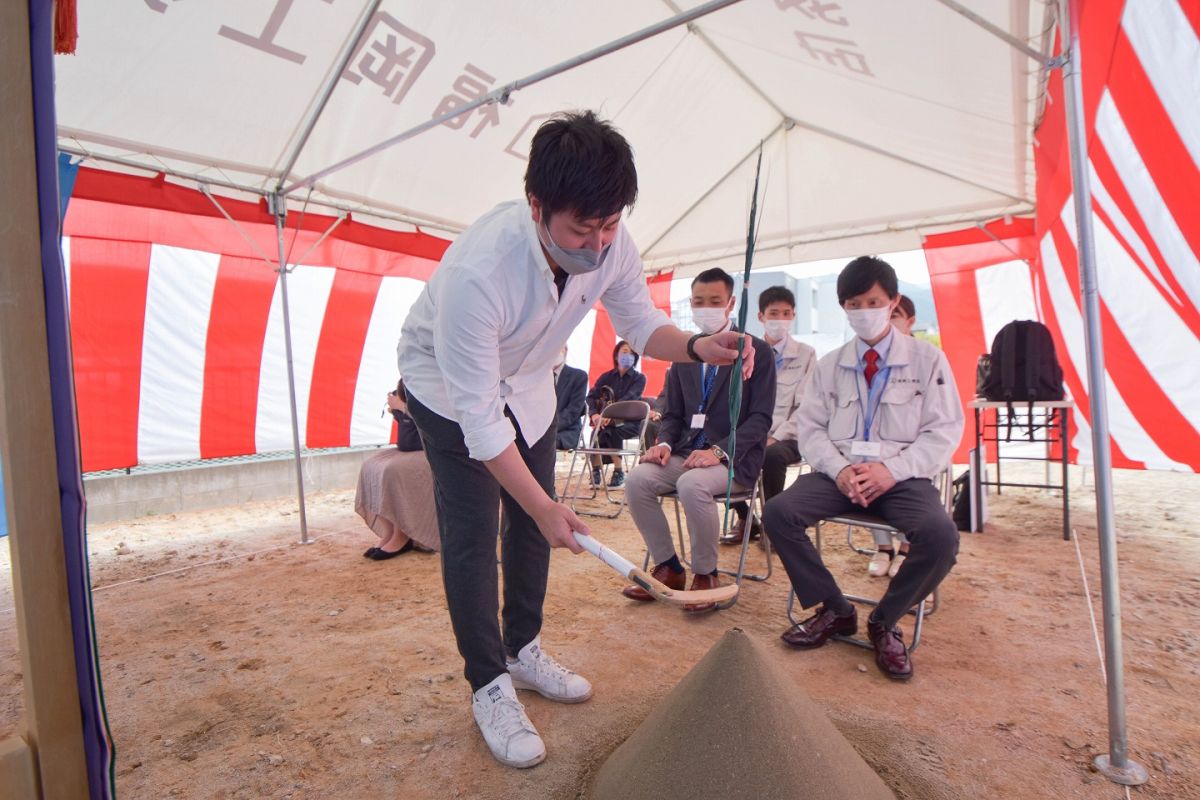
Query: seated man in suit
[690,455]
[570,389]
[794,362]
[880,418]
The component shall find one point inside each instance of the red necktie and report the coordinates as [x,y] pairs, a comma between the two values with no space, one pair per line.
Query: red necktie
[872,367]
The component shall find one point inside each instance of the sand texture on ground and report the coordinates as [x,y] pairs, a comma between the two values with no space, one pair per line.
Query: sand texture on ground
[738,726]
[254,667]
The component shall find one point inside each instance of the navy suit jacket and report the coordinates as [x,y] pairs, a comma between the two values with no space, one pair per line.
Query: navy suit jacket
[684,392]
[571,391]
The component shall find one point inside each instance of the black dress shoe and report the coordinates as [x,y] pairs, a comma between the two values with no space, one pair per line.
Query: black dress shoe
[817,629]
[891,656]
[737,532]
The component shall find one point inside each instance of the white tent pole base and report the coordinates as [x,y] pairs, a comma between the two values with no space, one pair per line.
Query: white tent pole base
[1132,774]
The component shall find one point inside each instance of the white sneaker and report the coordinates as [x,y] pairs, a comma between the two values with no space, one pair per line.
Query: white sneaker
[878,567]
[535,670]
[508,732]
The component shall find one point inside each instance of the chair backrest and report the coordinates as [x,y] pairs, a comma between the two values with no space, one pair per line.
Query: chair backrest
[626,411]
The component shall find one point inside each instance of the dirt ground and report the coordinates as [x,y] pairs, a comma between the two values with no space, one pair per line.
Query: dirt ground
[256,667]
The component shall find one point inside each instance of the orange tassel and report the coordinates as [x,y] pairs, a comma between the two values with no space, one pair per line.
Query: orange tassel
[66,27]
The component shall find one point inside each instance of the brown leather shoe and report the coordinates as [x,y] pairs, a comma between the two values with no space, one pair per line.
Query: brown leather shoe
[817,629]
[737,532]
[891,656]
[663,574]
[700,582]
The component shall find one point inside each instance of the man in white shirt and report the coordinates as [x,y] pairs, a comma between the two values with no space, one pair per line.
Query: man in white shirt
[880,418]
[794,362]
[477,351]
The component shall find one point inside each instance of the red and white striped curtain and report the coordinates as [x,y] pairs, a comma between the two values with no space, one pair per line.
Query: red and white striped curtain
[1141,77]
[177,324]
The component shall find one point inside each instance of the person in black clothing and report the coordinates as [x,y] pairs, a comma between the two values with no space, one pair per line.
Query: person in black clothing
[622,382]
[570,389]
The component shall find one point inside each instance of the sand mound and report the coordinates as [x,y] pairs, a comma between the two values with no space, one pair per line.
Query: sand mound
[737,726]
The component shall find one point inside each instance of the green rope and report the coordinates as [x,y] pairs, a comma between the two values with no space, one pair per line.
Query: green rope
[735,392]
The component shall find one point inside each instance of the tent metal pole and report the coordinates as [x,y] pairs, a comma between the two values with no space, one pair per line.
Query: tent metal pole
[1116,764]
[279,209]
[331,82]
[501,94]
[994,30]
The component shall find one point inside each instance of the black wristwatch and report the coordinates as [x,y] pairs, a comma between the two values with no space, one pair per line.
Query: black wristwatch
[691,347]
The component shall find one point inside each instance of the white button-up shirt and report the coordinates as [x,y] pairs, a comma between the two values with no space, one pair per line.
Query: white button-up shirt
[487,329]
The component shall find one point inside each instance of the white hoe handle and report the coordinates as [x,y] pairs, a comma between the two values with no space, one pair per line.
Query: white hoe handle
[613,559]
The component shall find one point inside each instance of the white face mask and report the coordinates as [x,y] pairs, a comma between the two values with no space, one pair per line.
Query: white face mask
[777,328]
[576,260]
[869,322]
[709,320]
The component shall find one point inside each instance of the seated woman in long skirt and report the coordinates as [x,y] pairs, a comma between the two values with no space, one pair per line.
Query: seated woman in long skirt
[395,491]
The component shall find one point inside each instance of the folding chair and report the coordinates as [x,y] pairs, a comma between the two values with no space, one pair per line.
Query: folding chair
[616,414]
[927,607]
[753,500]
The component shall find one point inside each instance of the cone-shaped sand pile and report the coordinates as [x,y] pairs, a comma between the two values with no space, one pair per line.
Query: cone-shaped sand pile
[736,726]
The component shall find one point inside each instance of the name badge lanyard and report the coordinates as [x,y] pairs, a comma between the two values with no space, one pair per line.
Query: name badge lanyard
[874,395]
[708,379]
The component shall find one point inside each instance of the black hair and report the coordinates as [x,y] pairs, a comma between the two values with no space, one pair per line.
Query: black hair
[617,350]
[864,272]
[906,306]
[579,163]
[403,395]
[776,294]
[714,275]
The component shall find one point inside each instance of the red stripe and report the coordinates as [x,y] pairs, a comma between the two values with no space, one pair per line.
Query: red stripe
[604,337]
[108,314]
[237,327]
[1191,10]
[156,194]
[339,353]
[953,259]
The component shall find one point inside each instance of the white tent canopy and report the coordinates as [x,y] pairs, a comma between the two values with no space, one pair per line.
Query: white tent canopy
[882,121]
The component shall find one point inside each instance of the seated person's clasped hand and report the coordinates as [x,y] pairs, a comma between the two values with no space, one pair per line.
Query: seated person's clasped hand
[659,454]
[701,458]
[865,483]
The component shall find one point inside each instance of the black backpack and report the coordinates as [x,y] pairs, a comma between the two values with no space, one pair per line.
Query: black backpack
[961,504]
[1024,367]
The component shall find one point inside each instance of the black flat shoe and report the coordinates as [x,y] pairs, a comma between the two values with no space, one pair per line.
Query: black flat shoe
[383,555]
[372,551]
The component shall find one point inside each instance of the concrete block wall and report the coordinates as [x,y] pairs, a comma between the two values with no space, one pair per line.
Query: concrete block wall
[112,498]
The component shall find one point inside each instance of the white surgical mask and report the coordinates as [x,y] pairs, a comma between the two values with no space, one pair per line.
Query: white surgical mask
[869,322]
[777,328]
[709,320]
[625,361]
[574,261]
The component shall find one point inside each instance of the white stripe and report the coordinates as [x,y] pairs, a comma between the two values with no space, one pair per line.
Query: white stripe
[308,294]
[1146,319]
[579,343]
[1005,294]
[1166,44]
[1104,200]
[1123,426]
[1181,261]
[178,301]
[377,370]
[66,257]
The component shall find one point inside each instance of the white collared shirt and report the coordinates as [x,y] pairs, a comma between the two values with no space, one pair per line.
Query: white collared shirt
[489,325]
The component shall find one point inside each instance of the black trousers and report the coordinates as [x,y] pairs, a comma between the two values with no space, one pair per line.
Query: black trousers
[777,459]
[912,506]
[614,436]
[468,507]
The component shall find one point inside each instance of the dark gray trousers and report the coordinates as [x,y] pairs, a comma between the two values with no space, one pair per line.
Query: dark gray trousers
[468,508]
[912,506]
[779,457]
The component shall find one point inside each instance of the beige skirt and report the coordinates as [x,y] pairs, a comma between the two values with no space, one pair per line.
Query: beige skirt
[395,490]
